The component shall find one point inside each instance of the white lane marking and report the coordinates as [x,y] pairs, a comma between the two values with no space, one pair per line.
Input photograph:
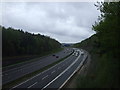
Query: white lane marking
[61,73]
[44,77]
[25,81]
[15,69]
[80,65]
[32,85]
[22,66]
[37,75]
[53,71]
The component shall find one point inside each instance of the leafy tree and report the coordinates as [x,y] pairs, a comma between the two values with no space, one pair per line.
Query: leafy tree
[108,26]
[17,42]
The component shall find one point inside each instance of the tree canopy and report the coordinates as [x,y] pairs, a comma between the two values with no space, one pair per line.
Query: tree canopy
[104,69]
[17,42]
[108,26]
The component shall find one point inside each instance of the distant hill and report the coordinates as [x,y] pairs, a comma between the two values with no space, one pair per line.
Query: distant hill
[88,44]
[104,67]
[104,49]
[18,42]
[67,44]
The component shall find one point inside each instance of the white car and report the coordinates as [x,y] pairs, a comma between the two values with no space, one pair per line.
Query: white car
[76,54]
[82,52]
[73,54]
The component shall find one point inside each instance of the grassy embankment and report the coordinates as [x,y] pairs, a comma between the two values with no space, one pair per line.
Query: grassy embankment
[104,48]
[103,71]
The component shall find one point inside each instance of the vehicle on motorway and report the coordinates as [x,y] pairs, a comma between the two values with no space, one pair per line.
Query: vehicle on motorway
[82,52]
[53,55]
[73,54]
[76,54]
[57,56]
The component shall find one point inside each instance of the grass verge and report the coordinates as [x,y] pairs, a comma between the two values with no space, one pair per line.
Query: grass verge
[25,77]
[102,73]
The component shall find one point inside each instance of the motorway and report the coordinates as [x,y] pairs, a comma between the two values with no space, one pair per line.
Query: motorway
[17,72]
[56,76]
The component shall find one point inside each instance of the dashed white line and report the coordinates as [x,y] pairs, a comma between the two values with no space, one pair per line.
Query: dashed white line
[32,85]
[37,75]
[61,73]
[25,81]
[44,77]
[53,71]
[73,73]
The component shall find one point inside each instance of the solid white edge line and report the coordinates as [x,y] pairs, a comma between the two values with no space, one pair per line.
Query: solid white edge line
[15,68]
[61,73]
[36,75]
[20,66]
[32,85]
[72,73]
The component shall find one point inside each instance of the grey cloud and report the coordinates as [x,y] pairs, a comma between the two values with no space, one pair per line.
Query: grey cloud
[66,22]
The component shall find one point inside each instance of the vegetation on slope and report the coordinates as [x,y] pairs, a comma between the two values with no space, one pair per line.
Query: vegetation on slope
[104,49]
[20,43]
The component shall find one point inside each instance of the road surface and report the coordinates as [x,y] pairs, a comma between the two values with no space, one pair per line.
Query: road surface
[56,76]
[17,72]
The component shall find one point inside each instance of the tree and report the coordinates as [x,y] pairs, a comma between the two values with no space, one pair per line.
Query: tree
[108,26]
[17,42]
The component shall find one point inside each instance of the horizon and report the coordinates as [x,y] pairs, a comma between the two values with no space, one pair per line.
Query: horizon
[65,22]
[45,35]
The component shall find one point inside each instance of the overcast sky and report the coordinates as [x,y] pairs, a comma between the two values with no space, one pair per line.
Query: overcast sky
[65,22]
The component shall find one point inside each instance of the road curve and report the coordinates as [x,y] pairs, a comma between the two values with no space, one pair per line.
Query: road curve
[56,76]
[15,73]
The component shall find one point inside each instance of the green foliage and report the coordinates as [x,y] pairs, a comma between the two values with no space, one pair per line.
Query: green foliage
[104,49]
[103,72]
[88,44]
[18,42]
[108,27]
